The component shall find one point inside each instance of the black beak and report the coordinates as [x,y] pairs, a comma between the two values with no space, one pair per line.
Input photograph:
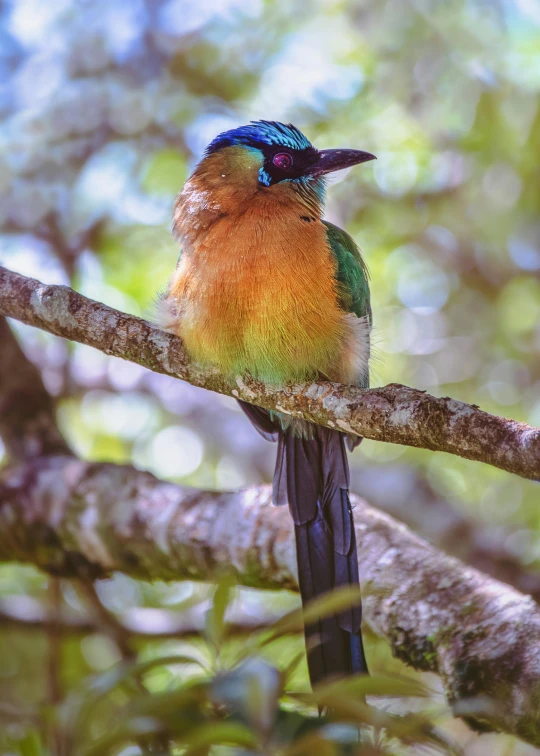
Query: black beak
[337,160]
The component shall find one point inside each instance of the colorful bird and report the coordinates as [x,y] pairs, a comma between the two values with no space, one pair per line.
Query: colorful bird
[267,288]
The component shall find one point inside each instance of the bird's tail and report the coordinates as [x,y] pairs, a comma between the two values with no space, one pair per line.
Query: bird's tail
[312,476]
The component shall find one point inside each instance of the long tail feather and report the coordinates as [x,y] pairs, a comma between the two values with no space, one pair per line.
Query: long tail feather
[312,476]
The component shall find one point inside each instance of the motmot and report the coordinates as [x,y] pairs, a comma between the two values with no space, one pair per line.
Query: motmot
[265,287]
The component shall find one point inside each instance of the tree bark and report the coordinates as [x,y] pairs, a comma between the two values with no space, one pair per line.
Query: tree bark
[394,413]
[27,414]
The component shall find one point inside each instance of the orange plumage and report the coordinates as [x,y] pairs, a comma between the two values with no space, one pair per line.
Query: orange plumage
[255,288]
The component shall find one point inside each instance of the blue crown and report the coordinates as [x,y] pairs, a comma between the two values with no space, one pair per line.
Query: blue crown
[259,133]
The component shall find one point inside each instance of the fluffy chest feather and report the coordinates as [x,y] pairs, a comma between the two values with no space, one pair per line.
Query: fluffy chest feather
[255,289]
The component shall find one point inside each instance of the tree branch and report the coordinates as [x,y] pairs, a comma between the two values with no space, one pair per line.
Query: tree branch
[27,421]
[77,519]
[394,413]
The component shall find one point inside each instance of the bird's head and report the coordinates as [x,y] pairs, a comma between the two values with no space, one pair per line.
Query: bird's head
[268,156]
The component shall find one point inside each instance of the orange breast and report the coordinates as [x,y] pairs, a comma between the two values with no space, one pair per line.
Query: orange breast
[255,292]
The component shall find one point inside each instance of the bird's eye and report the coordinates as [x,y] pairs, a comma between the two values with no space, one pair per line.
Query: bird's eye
[283,161]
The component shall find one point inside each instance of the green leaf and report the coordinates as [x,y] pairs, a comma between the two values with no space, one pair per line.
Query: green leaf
[288,672]
[324,606]
[365,685]
[411,728]
[130,730]
[174,713]
[106,682]
[220,733]
[215,618]
[252,690]
[170,706]
[312,743]
[80,705]
[31,744]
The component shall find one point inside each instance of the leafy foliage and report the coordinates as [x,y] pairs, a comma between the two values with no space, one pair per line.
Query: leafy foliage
[251,706]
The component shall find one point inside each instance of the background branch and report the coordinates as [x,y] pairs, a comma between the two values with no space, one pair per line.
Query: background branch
[140,623]
[27,417]
[482,637]
[394,413]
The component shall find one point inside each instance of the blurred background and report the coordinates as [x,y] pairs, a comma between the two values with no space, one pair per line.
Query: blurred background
[105,107]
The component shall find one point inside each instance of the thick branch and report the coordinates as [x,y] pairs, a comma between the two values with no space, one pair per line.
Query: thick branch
[27,422]
[481,636]
[393,413]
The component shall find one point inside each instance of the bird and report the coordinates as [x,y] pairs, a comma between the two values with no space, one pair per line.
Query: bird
[265,287]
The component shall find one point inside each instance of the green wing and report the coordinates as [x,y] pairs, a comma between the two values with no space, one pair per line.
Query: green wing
[352,273]
[353,280]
